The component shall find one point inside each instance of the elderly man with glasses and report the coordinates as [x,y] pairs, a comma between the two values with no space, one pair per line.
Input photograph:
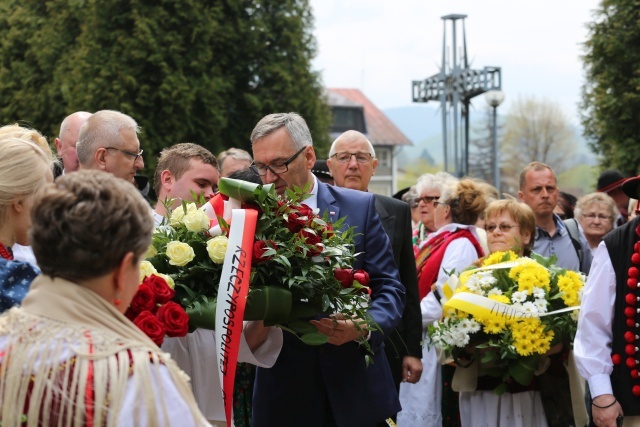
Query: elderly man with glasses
[328,385]
[108,141]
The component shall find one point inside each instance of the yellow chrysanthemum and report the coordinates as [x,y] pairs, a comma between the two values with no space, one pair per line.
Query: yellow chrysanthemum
[570,283]
[494,325]
[498,257]
[530,274]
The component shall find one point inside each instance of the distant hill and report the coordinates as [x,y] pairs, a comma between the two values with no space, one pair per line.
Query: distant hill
[422,124]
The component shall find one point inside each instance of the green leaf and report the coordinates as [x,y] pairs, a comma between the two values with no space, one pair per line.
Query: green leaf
[314,338]
[302,327]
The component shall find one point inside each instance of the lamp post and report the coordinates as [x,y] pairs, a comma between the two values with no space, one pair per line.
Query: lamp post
[495,98]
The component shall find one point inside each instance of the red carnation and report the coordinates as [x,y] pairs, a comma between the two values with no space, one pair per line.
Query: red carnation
[630,349]
[174,318]
[144,299]
[160,287]
[636,390]
[260,247]
[361,277]
[632,283]
[344,276]
[616,359]
[312,240]
[630,298]
[631,362]
[630,312]
[629,336]
[633,272]
[152,326]
[635,258]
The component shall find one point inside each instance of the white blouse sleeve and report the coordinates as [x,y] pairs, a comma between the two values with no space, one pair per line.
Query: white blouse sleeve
[266,354]
[592,345]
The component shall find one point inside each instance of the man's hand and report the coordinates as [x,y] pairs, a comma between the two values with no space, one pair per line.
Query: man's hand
[411,369]
[339,330]
[605,417]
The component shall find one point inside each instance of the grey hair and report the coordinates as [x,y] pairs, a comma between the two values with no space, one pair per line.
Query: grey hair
[102,129]
[234,153]
[436,181]
[294,124]
[352,136]
[596,198]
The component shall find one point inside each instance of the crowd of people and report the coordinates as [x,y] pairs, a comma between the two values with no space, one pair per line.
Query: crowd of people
[75,227]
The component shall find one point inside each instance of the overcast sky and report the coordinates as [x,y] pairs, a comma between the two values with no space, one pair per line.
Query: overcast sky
[380,46]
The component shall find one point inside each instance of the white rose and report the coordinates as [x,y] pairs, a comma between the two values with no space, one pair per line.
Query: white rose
[146,270]
[179,253]
[217,248]
[179,213]
[196,220]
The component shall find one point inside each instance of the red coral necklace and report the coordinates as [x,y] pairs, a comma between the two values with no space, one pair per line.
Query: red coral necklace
[5,252]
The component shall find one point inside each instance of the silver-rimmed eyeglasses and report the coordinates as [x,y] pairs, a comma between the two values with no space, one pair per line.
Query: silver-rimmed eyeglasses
[277,168]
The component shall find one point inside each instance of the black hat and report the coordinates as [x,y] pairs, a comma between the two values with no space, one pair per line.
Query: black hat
[321,171]
[609,180]
[401,193]
[631,187]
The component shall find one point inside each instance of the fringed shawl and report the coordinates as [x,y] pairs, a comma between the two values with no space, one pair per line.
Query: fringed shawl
[69,357]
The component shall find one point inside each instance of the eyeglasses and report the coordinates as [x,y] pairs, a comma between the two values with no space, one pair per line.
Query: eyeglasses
[261,169]
[593,216]
[345,157]
[427,199]
[504,228]
[436,203]
[135,156]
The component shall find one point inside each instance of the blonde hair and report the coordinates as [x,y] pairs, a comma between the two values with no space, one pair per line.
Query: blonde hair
[466,200]
[521,213]
[25,163]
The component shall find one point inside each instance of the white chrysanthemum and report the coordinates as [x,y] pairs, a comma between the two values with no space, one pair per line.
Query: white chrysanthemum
[460,338]
[541,305]
[495,291]
[538,293]
[529,307]
[519,297]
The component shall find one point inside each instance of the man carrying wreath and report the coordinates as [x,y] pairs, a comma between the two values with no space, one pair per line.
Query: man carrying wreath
[328,385]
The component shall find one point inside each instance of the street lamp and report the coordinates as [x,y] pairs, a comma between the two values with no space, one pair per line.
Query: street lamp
[495,98]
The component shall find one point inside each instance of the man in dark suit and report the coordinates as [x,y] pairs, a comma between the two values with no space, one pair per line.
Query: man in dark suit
[329,385]
[352,162]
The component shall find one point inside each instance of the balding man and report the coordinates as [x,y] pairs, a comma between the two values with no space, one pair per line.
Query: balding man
[108,141]
[67,140]
[352,162]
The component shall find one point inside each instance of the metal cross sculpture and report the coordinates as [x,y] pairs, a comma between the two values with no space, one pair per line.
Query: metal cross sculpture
[454,86]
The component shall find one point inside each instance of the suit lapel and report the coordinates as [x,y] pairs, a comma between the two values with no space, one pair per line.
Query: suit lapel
[326,202]
[386,218]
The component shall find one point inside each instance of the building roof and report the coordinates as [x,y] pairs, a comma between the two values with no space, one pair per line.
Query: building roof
[380,130]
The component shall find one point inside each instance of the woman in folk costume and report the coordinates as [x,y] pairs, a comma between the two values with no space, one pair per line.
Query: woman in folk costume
[452,248]
[68,355]
[26,165]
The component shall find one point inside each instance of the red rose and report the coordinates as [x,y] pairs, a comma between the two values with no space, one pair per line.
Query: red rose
[160,287]
[130,314]
[174,318]
[144,299]
[361,277]
[260,247]
[293,222]
[152,326]
[312,240]
[328,231]
[305,210]
[344,276]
